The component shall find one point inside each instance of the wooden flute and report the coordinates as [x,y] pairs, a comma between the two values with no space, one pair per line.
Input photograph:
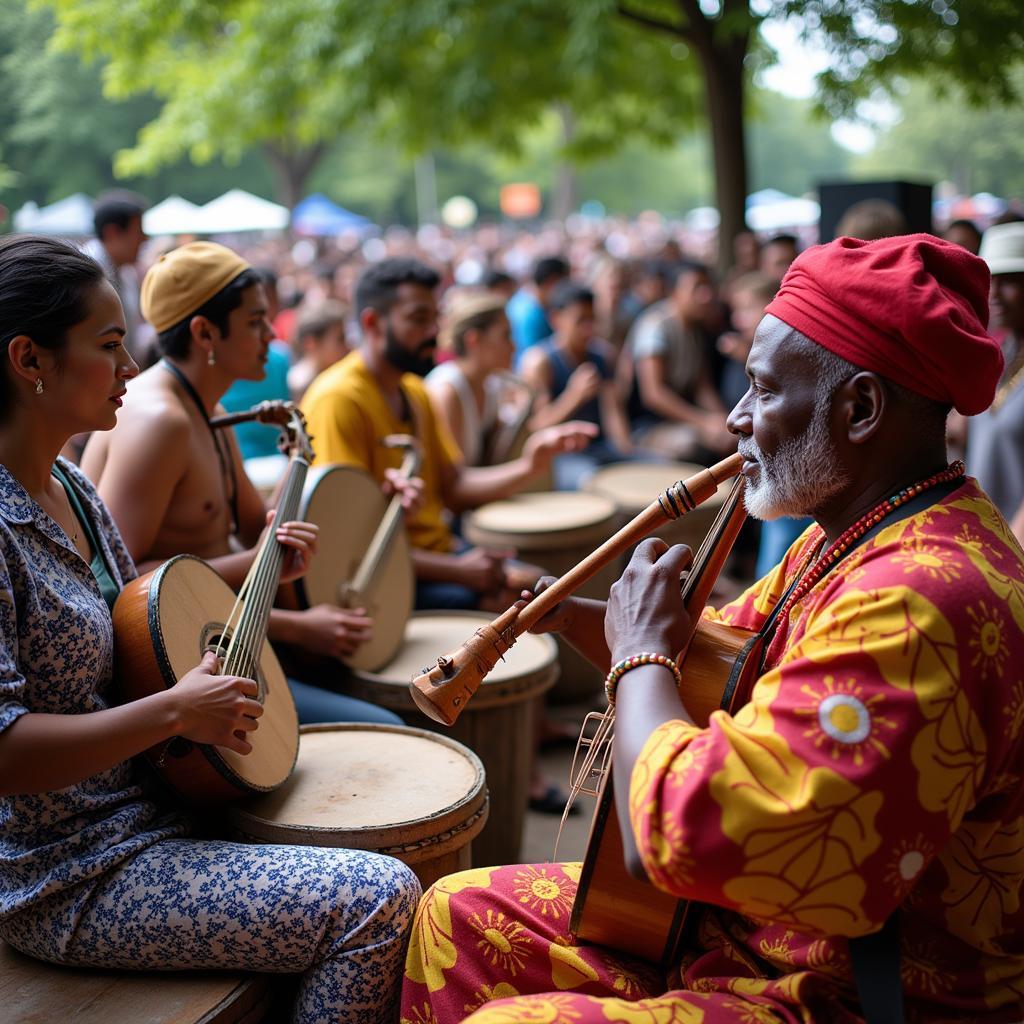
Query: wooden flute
[443,691]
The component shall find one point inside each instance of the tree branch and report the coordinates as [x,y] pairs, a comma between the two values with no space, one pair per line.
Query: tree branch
[660,26]
[700,28]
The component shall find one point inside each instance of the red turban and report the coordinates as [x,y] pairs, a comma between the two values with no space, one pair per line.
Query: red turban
[912,308]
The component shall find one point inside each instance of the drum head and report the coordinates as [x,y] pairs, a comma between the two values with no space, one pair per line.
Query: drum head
[371,787]
[348,506]
[540,521]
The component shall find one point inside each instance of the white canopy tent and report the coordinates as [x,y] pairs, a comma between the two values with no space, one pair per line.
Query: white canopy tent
[71,216]
[174,216]
[238,210]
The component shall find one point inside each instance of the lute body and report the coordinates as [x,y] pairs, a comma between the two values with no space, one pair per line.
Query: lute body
[165,621]
[719,666]
[163,624]
[612,907]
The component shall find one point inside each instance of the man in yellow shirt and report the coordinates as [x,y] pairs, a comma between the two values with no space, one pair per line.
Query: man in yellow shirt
[377,390]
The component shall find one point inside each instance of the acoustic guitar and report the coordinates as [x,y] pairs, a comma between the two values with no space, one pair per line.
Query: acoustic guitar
[719,666]
[167,619]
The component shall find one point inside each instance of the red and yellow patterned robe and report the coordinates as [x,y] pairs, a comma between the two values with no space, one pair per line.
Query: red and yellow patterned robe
[877,766]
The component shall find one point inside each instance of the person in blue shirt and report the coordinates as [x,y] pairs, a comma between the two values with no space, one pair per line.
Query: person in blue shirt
[258,440]
[527,309]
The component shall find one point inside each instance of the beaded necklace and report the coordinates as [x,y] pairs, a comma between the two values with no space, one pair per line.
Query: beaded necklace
[810,577]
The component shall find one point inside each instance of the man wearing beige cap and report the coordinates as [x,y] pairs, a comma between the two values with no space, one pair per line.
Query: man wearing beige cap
[995,439]
[173,484]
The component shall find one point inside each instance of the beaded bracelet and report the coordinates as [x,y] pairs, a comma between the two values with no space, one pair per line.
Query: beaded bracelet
[619,669]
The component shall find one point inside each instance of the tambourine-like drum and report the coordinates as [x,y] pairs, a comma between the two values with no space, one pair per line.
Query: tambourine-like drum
[404,792]
[555,530]
[348,506]
[499,723]
[632,486]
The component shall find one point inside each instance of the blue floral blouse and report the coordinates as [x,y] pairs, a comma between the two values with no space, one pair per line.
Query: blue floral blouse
[56,657]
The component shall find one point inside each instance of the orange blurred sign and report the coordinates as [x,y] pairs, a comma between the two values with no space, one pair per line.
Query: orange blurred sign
[521,200]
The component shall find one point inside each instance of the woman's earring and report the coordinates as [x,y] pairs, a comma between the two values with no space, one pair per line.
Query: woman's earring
[211,359]
[39,385]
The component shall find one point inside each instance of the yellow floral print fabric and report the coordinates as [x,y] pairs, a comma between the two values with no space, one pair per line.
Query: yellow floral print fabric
[877,767]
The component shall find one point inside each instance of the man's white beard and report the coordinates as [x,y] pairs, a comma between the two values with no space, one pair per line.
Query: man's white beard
[800,477]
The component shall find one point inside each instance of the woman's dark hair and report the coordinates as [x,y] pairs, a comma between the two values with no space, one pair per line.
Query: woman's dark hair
[44,291]
[176,341]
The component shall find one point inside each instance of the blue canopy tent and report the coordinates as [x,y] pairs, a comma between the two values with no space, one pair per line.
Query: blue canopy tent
[318,215]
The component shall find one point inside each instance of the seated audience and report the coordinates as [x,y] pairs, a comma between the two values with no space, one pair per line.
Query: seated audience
[320,341]
[527,309]
[572,378]
[673,405]
[377,390]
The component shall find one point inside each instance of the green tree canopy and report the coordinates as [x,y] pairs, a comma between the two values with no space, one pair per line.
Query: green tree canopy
[978,149]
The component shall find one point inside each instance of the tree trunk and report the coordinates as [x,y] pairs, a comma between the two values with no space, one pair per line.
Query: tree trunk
[292,169]
[723,72]
[563,193]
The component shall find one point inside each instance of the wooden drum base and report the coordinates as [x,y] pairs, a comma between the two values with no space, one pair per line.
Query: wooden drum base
[499,723]
[33,992]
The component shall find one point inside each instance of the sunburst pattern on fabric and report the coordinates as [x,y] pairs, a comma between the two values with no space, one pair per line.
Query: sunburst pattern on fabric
[543,892]
[987,643]
[503,942]
[843,719]
[932,560]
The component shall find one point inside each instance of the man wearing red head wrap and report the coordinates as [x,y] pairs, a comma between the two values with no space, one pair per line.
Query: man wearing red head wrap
[854,831]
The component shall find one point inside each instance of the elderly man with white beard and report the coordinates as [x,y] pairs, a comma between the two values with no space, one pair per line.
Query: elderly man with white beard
[854,833]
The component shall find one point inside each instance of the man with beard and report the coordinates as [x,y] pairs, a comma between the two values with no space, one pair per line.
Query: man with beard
[176,486]
[377,390]
[854,833]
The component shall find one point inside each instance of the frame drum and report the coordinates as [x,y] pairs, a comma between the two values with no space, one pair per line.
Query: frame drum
[348,505]
[632,486]
[555,530]
[499,723]
[403,792]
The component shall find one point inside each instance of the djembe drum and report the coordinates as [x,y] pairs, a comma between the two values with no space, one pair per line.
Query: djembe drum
[499,725]
[407,793]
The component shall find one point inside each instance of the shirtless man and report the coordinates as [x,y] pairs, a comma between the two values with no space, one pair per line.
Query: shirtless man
[174,485]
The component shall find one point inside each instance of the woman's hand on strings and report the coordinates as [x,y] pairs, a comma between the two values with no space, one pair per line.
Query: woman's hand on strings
[300,542]
[215,709]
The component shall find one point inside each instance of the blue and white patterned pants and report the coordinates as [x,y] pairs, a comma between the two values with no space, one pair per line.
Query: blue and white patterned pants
[341,917]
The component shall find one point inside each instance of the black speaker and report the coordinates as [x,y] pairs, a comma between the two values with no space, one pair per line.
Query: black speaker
[913,200]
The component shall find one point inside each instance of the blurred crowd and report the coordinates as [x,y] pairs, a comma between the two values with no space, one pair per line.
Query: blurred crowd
[621,324]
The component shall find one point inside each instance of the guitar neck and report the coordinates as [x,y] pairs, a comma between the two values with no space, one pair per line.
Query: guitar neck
[260,587]
[389,524]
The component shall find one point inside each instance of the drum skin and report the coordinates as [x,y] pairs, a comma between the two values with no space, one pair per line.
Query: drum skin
[555,530]
[403,792]
[499,723]
[348,505]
